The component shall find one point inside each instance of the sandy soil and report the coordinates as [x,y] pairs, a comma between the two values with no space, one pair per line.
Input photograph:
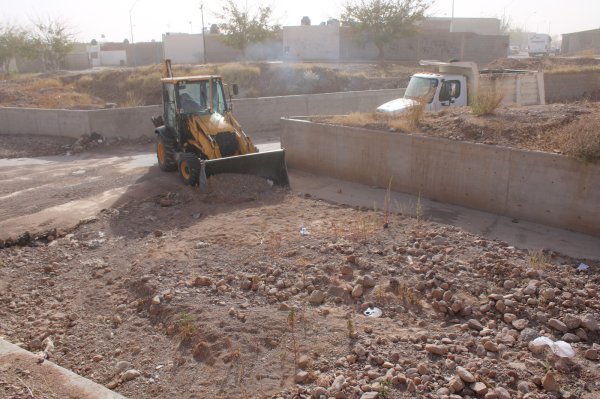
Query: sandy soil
[217,294]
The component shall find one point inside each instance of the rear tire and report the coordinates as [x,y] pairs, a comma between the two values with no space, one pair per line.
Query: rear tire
[189,168]
[165,153]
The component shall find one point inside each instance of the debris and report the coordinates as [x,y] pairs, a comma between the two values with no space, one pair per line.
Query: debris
[373,312]
[582,267]
[559,348]
[303,231]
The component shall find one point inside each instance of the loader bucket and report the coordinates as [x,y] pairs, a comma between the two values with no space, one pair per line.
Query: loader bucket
[269,165]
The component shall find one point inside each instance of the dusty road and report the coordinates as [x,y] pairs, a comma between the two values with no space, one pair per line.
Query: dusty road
[40,194]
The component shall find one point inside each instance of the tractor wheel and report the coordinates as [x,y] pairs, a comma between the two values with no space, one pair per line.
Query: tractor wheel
[189,168]
[165,152]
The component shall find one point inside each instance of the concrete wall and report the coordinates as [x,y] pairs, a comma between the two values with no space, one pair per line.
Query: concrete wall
[258,116]
[183,48]
[428,46]
[539,187]
[115,57]
[481,26]
[147,53]
[77,61]
[561,87]
[574,43]
[218,51]
[317,42]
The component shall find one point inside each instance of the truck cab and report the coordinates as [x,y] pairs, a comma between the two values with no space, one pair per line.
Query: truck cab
[436,91]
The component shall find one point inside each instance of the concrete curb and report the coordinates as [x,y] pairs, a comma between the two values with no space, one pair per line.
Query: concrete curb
[63,382]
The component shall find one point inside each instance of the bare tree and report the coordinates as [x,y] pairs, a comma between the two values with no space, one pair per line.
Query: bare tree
[55,41]
[241,26]
[382,21]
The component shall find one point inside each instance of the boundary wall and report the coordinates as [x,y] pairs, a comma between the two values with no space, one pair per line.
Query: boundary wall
[256,115]
[540,187]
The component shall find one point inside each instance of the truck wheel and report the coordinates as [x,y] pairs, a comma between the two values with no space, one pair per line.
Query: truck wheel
[189,168]
[165,152]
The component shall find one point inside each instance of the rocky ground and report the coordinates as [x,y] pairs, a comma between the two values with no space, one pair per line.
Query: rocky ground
[218,294]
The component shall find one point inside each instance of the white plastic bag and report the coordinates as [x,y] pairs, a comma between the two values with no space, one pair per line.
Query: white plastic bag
[559,348]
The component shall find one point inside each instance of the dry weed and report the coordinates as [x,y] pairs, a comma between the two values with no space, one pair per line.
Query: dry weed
[580,139]
[44,84]
[486,101]
[538,260]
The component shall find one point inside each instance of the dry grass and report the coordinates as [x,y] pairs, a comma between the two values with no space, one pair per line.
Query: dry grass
[40,84]
[579,139]
[405,122]
[573,69]
[538,260]
[486,101]
[587,53]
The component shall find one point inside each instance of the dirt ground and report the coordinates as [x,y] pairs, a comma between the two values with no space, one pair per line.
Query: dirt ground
[559,128]
[181,293]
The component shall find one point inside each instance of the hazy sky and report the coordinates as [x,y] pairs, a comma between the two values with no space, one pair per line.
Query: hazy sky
[151,18]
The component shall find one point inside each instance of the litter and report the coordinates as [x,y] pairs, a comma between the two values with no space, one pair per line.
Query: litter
[373,312]
[582,267]
[559,348]
[303,231]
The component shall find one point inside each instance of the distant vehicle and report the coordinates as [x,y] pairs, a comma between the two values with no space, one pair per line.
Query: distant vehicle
[540,44]
[456,82]
[512,50]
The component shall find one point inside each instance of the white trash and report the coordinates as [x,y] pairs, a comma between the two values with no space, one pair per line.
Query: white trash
[559,348]
[373,312]
[303,231]
[582,267]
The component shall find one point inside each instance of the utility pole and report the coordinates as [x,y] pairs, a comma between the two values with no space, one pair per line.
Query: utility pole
[203,33]
[131,31]
[452,19]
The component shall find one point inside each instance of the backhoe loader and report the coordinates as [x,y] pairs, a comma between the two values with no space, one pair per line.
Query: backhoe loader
[199,136]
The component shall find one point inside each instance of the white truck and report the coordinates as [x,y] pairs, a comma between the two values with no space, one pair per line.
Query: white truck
[540,44]
[454,83]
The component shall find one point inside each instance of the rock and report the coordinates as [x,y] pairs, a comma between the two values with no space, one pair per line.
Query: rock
[317,392]
[571,321]
[480,388]
[130,375]
[465,374]
[502,393]
[439,350]
[370,395]
[591,354]
[528,335]
[317,297]
[303,361]
[557,325]
[475,325]
[456,384]
[368,281]
[569,337]
[337,384]
[423,369]
[301,377]
[549,383]
[509,318]
[202,281]
[547,294]
[523,386]
[490,346]
[357,291]
[359,350]
[520,324]
[156,300]
[589,323]
[123,365]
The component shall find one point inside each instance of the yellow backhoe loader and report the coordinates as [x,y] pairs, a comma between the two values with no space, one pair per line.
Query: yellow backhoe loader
[199,136]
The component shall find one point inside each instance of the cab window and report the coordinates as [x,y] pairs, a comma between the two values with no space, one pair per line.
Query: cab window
[450,90]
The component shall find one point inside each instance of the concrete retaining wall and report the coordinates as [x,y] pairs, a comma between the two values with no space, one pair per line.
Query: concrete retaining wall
[539,187]
[257,115]
[573,86]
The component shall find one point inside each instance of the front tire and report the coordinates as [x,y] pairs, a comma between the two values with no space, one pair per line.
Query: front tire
[165,153]
[189,168]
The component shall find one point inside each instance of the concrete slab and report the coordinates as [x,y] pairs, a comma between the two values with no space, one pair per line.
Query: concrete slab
[47,378]
[521,234]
